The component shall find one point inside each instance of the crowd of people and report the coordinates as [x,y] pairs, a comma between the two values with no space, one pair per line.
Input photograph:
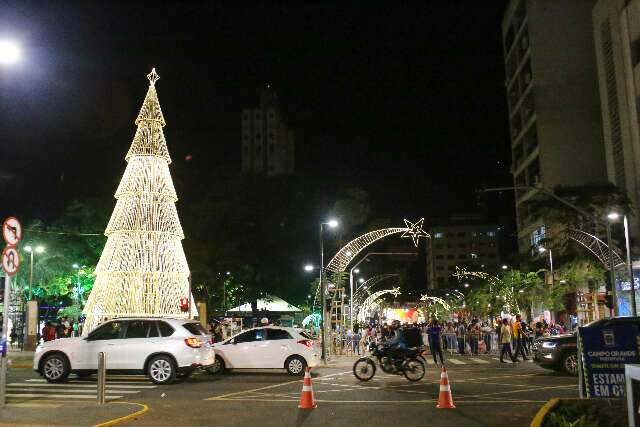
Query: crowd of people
[512,337]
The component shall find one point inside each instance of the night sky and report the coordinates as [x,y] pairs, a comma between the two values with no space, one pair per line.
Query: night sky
[405,101]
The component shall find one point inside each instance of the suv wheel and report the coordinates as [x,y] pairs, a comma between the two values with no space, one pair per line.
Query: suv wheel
[570,363]
[161,370]
[295,365]
[55,368]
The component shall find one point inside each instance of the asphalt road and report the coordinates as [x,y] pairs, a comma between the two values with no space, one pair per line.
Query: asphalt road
[485,392]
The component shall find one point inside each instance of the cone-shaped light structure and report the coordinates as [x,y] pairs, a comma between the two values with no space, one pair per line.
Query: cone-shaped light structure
[143,270]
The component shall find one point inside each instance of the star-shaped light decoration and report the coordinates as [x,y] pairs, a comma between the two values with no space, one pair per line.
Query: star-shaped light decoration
[395,292]
[415,231]
[153,77]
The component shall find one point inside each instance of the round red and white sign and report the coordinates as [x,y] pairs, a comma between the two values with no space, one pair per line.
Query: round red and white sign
[10,260]
[12,231]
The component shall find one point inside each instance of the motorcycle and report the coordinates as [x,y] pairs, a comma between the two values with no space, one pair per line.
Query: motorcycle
[410,365]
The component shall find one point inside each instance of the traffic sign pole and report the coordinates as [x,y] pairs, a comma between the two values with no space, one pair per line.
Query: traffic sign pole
[5,330]
[12,234]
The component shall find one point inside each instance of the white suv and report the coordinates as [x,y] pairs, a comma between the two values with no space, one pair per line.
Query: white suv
[269,347]
[160,348]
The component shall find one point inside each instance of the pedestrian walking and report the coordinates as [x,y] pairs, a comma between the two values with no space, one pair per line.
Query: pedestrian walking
[518,337]
[486,331]
[434,333]
[461,335]
[505,340]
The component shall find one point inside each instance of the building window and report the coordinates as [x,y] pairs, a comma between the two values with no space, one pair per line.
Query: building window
[491,234]
[439,257]
[439,267]
[537,236]
[451,257]
[438,235]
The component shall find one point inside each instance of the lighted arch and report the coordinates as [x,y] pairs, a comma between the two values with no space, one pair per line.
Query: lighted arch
[597,247]
[370,283]
[341,260]
[316,318]
[373,301]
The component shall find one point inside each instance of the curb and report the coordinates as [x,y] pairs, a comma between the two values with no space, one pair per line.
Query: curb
[543,412]
[20,366]
[120,420]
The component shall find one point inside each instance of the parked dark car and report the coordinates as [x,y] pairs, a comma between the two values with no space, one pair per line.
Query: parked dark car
[560,352]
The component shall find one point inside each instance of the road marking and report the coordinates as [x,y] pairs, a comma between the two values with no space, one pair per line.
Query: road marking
[252,390]
[456,361]
[67,390]
[76,385]
[90,381]
[60,396]
[484,361]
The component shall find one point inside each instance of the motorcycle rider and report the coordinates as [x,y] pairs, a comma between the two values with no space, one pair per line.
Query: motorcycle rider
[397,344]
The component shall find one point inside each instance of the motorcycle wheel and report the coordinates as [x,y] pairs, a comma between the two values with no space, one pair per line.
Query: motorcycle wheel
[386,364]
[413,370]
[364,369]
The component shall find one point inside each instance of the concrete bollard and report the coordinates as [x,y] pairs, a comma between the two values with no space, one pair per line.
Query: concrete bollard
[102,377]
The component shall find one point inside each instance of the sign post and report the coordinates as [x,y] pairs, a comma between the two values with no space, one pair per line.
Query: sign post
[12,234]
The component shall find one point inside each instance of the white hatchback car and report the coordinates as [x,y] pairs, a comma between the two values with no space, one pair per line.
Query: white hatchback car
[269,347]
[160,348]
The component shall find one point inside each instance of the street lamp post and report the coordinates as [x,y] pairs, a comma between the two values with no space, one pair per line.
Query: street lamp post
[614,216]
[39,249]
[333,224]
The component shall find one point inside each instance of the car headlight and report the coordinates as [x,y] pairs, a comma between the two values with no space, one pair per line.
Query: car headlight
[549,344]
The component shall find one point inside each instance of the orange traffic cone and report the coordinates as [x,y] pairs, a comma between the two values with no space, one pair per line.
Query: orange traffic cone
[445,400]
[306,399]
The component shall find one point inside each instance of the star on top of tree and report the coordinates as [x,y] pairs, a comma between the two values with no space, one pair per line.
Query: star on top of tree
[395,292]
[153,77]
[414,231]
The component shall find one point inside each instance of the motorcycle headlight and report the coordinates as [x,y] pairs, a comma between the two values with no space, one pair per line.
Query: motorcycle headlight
[549,344]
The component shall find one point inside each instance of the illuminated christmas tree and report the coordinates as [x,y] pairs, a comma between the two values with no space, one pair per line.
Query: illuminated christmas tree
[143,270]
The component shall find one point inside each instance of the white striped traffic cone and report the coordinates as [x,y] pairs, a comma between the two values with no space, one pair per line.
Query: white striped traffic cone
[307,400]
[445,400]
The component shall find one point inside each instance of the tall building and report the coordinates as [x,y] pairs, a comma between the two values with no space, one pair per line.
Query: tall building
[554,104]
[451,246]
[616,30]
[268,145]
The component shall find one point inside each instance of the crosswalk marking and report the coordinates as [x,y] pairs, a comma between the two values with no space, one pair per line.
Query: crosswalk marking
[455,361]
[39,380]
[83,385]
[69,390]
[40,389]
[60,396]
[478,360]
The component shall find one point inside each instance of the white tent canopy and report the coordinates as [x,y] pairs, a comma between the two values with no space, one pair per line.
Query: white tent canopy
[269,304]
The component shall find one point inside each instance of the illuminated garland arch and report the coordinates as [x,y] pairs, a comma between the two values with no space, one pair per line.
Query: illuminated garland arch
[316,318]
[348,252]
[373,301]
[597,247]
[370,283]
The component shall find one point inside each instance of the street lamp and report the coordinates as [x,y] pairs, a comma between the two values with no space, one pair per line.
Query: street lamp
[361,280]
[356,271]
[38,249]
[10,52]
[332,223]
[505,267]
[308,267]
[613,216]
